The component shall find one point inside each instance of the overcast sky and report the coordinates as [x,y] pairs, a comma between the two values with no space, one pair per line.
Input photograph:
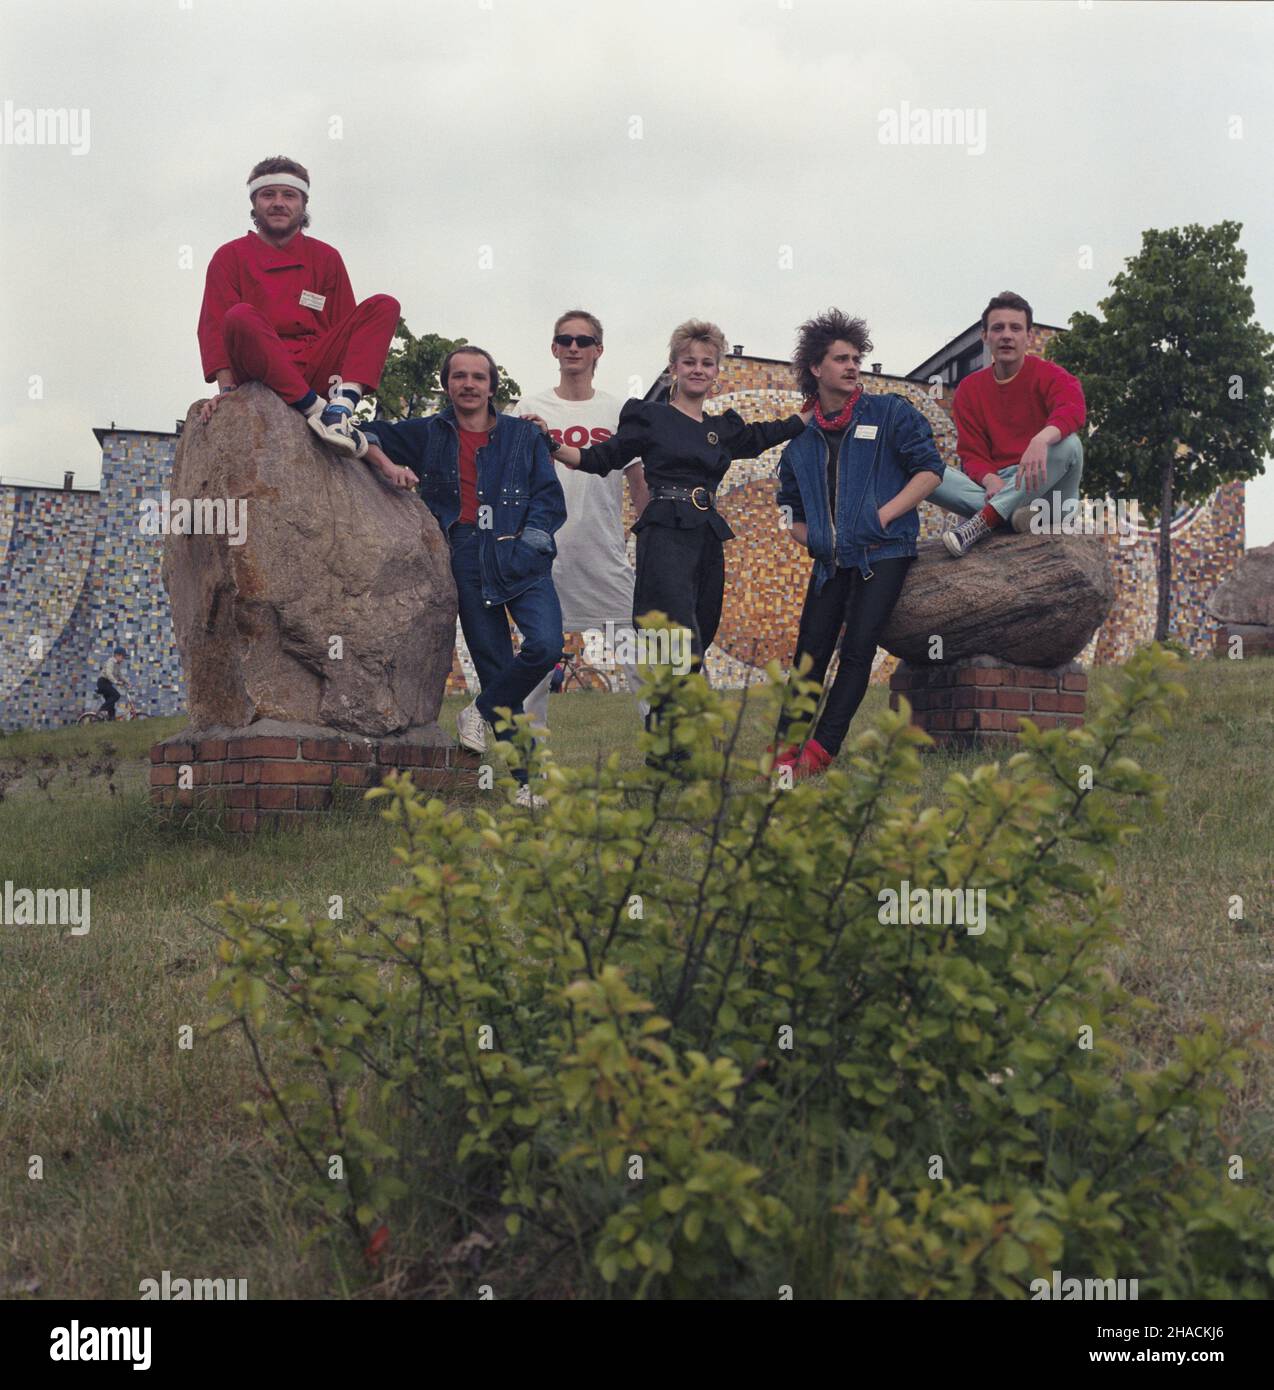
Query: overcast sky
[492,162]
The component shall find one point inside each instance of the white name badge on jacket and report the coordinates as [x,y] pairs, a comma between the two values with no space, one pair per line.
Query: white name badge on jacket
[866,431]
[310,300]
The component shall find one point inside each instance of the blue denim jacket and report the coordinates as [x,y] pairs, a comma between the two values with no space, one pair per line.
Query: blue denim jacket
[888,442]
[520,501]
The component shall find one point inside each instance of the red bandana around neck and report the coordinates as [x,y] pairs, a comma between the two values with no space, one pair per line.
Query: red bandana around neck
[841,420]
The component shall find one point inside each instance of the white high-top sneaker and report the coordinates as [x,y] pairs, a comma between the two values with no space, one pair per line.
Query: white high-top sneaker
[472,729]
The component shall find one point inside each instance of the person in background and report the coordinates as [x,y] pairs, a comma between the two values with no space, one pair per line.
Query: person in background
[111,682]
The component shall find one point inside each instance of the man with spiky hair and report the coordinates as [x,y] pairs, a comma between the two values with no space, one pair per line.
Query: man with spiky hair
[278,308]
[1018,424]
[849,486]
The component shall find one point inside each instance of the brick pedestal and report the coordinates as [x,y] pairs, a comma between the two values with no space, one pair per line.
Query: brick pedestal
[255,782]
[982,699]
[1257,640]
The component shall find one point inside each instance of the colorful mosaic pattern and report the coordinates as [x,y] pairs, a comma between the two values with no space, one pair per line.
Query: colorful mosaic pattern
[77,579]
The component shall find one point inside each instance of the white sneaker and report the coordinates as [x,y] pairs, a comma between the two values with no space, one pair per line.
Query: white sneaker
[472,729]
[526,797]
[1022,520]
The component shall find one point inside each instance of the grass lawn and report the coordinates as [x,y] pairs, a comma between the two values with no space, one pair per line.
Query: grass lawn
[147,1162]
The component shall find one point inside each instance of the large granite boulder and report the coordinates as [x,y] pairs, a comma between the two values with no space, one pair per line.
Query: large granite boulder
[1031,600]
[1244,603]
[336,612]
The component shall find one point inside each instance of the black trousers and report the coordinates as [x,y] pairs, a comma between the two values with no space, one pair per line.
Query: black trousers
[682,573]
[110,696]
[863,606]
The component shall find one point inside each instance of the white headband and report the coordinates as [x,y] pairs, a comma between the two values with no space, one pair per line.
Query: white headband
[274,180]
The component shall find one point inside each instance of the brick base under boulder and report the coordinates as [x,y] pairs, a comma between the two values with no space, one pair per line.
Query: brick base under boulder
[1256,639]
[255,782]
[983,699]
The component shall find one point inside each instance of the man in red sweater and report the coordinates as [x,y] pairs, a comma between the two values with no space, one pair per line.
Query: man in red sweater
[1017,425]
[278,308]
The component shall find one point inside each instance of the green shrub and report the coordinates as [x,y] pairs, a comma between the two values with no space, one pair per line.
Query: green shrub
[662,1029]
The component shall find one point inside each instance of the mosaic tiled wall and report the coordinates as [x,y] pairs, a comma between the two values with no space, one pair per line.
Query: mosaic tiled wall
[77,579]
[767,572]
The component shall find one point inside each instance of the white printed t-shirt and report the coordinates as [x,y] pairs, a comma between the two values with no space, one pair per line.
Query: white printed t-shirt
[591,573]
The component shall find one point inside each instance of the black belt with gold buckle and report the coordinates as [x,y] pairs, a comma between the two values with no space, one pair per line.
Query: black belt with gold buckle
[684,494]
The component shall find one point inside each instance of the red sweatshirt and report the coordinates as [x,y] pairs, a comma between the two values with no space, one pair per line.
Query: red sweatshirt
[997,420]
[273,279]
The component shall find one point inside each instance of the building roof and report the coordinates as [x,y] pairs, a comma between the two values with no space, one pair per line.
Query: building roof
[100,434]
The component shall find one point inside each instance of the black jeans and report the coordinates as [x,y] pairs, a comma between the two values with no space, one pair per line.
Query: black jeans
[864,606]
[110,696]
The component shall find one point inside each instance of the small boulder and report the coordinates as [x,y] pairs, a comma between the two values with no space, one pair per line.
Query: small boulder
[1246,598]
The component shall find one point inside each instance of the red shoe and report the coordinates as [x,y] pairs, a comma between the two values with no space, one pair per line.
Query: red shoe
[814,759]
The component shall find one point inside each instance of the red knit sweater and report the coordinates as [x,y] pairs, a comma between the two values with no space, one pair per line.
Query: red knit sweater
[997,420]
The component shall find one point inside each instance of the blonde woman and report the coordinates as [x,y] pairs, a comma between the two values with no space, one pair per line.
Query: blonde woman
[685,454]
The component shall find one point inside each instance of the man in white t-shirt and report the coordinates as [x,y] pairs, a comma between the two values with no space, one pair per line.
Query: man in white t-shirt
[591,573]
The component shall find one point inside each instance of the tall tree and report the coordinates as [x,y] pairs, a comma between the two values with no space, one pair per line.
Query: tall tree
[410,384]
[1177,377]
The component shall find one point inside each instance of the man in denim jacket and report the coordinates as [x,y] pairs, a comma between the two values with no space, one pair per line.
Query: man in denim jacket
[848,490]
[492,488]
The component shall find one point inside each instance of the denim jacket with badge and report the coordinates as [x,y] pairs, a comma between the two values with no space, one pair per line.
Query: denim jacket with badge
[516,480]
[888,442]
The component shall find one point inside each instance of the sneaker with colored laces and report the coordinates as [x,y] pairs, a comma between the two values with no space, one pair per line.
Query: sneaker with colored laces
[966,535]
[472,729]
[526,797]
[814,759]
[335,428]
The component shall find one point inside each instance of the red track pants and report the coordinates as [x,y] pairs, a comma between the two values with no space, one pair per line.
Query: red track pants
[355,349]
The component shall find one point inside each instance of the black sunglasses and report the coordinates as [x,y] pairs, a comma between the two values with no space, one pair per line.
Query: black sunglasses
[583,340]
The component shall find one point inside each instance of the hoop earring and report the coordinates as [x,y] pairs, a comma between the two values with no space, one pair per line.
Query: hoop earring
[715,388]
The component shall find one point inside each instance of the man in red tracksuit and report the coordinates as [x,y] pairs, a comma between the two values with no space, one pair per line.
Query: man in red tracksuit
[278,308]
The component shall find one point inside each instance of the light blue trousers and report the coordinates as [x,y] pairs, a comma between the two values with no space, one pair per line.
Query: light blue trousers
[957,492]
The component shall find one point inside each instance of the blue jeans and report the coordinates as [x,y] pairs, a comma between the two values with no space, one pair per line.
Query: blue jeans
[958,493]
[506,680]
